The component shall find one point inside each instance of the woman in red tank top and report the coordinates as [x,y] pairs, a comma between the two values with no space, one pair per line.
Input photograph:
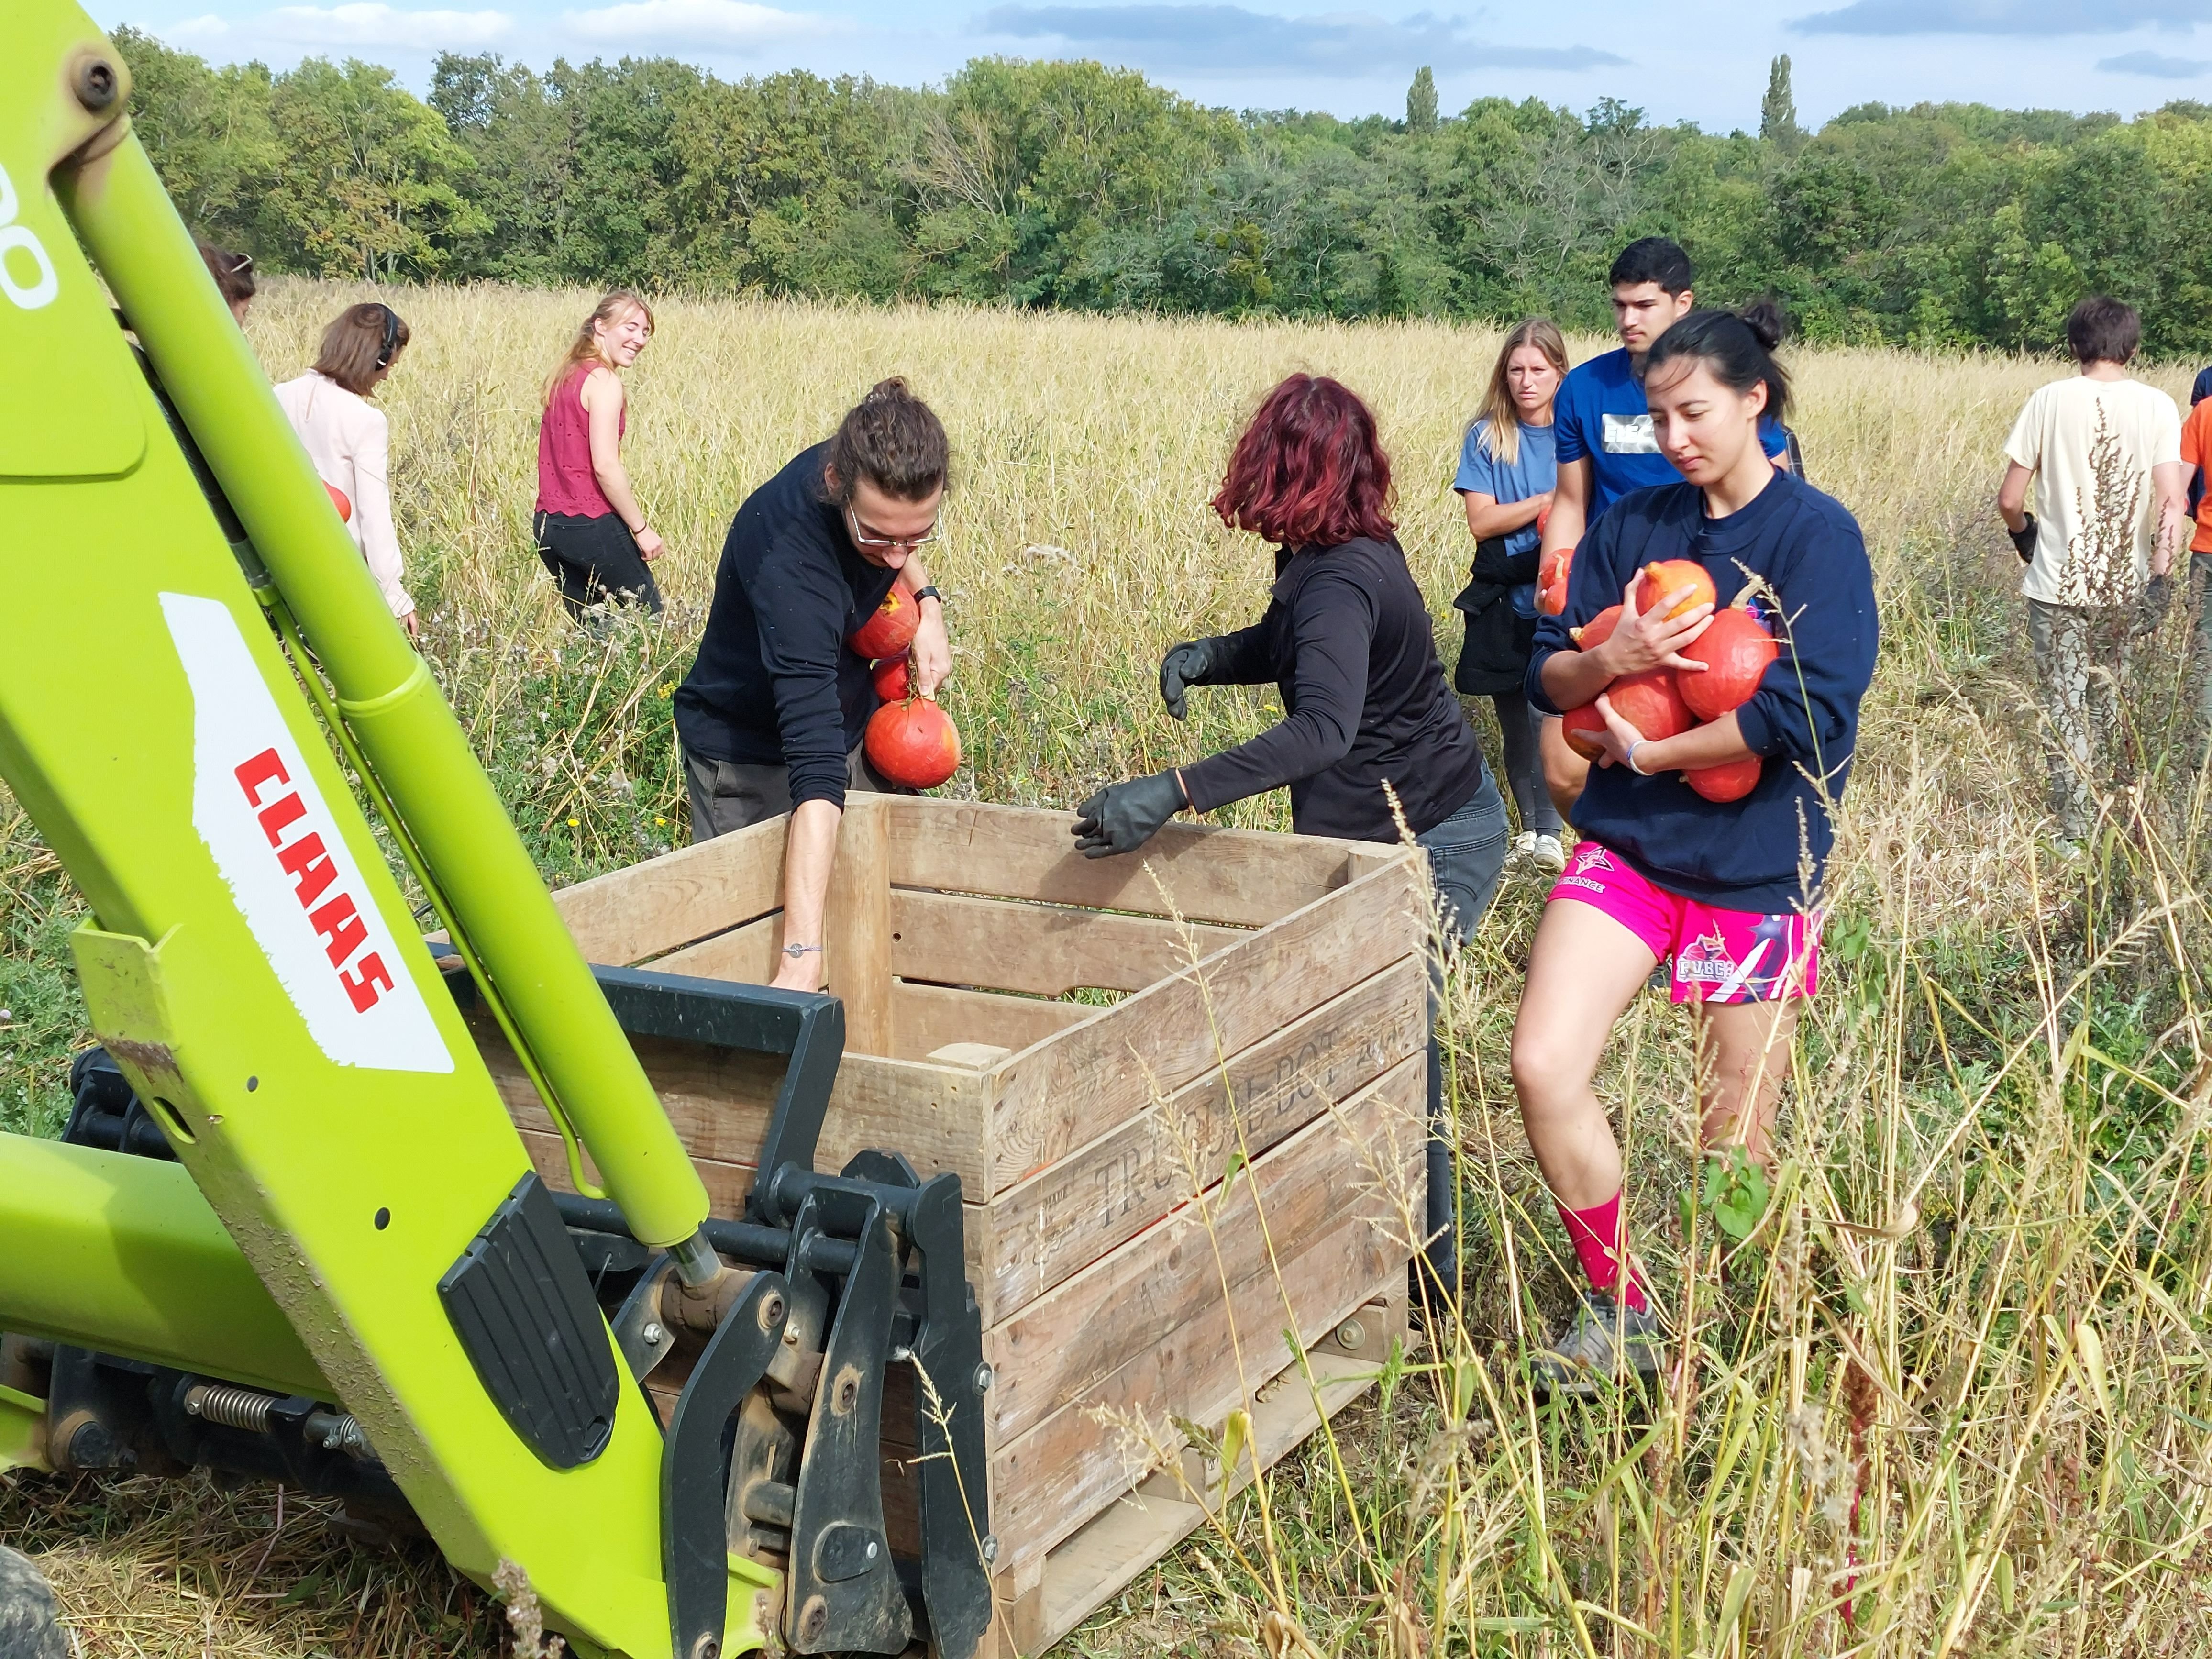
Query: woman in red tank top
[591,533]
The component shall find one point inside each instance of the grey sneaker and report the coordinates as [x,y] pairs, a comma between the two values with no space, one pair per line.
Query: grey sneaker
[1522,850]
[1549,856]
[1604,1340]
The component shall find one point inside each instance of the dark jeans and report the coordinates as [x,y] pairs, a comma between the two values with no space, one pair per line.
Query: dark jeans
[594,561]
[1466,853]
[1518,722]
[728,795]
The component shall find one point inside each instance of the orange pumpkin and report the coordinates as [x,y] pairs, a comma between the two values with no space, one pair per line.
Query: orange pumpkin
[338,500]
[1668,576]
[1729,780]
[1585,731]
[1597,630]
[913,743]
[894,683]
[891,629]
[1652,702]
[1736,651]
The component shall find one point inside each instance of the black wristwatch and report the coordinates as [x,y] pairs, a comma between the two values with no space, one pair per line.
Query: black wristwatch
[929,593]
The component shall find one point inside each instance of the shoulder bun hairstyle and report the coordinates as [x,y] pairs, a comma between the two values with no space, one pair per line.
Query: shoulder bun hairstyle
[2103,330]
[233,272]
[1502,439]
[1309,471]
[363,339]
[894,440]
[1737,348]
[584,346]
[1654,259]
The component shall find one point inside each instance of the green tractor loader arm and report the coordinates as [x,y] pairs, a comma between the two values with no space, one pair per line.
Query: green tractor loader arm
[364,1284]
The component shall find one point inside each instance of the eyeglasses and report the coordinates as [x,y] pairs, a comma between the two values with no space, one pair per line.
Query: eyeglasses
[884,543]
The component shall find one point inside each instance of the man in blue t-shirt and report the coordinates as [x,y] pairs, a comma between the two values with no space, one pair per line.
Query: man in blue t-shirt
[1602,434]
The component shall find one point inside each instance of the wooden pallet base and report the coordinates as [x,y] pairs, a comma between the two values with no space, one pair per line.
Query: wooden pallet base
[1088,1570]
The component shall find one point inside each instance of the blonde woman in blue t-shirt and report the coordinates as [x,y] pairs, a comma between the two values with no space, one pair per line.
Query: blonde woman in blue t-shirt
[1506,471]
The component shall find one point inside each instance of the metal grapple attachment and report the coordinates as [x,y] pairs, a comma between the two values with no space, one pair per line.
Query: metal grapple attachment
[774,1465]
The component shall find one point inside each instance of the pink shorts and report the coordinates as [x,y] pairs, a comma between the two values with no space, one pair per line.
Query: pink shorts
[1715,955]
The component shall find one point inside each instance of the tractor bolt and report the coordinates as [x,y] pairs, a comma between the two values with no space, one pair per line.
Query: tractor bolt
[96,83]
[792,1337]
[706,1648]
[653,1335]
[984,1377]
[990,1547]
[771,1309]
[1352,1336]
[813,1619]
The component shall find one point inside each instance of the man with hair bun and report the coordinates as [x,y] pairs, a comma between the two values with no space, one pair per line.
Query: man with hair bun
[773,712]
[2104,451]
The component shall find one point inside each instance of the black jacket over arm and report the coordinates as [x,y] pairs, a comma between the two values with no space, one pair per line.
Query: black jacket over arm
[775,683]
[1347,640]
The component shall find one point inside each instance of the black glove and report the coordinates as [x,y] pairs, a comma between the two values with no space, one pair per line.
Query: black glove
[2023,540]
[2150,608]
[1194,662]
[1123,817]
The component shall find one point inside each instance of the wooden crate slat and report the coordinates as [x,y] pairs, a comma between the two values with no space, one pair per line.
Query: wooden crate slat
[628,916]
[746,953]
[1245,878]
[1107,1191]
[1055,1097]
[1048,1483]
[856,924]
[719,1101]
[1062,1347]
[1046,950]
[927,1018]
[1083,1572]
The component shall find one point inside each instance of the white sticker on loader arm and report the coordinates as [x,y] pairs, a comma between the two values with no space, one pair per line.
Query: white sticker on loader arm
[256,805]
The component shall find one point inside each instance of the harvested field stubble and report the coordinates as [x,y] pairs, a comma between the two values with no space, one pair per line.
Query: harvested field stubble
[1951,1396]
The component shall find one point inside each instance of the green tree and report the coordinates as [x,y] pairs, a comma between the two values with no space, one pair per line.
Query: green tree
[210,134]
[370,182]
[1421,102]
[1777,111]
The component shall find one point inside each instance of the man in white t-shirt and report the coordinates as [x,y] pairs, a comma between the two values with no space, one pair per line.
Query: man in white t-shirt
[2104,452]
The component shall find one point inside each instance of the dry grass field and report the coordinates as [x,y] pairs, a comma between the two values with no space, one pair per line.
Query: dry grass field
[1954,1396]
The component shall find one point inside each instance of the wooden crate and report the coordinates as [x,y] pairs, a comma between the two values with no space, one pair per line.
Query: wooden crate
[1271,1023]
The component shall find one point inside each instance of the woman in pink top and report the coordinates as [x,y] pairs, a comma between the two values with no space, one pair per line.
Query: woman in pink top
[591,531]
[350,441]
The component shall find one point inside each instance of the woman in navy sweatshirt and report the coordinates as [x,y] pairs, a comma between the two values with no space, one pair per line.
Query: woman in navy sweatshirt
[1727,895]
[1347,641]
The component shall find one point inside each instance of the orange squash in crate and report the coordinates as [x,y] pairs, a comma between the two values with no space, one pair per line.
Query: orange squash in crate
[891,629]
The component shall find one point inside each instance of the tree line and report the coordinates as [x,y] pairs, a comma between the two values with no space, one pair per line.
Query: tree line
[1072,184]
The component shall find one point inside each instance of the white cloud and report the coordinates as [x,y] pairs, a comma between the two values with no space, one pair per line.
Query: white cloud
[372,26]
[207,27]
[727,24]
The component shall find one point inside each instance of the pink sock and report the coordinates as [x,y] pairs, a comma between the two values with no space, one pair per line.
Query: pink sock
[1601,1246]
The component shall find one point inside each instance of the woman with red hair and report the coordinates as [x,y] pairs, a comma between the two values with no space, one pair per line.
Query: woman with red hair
[1347,641]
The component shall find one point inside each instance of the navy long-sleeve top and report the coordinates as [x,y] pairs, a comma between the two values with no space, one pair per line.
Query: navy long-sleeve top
[1347,641]
[1804,720]
[774,682]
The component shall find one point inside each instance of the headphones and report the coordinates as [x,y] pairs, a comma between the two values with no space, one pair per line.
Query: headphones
[391,337]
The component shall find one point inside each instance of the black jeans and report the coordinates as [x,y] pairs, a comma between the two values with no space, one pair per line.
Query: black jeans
[594,560]
[1466,853]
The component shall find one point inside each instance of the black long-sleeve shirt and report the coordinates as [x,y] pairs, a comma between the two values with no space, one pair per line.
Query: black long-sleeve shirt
[1348,642]
[775,683]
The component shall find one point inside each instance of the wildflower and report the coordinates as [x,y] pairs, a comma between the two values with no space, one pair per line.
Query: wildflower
[661,822]
[573,824]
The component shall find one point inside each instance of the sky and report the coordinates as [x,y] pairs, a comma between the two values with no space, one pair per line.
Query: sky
[1705,62]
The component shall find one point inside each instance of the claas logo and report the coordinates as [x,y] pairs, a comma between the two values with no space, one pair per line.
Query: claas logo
[308,862]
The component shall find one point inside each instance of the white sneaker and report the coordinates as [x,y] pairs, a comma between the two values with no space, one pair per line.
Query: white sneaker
[1550,857]
[1523,848]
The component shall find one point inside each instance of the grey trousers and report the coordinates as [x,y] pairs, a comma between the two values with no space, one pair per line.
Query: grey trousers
[2081,653]
[2200,656]
[727,795]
